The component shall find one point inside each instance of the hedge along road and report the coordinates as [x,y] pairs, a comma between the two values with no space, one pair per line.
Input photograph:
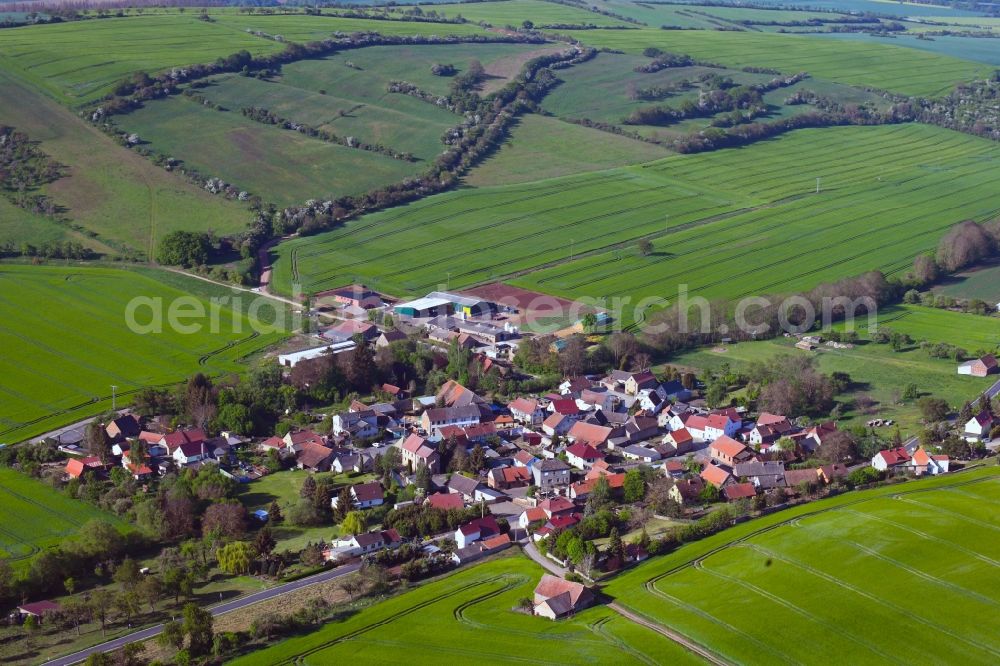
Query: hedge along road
[220,609]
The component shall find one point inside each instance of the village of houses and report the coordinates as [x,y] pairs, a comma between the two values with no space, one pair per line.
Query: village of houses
[543,455]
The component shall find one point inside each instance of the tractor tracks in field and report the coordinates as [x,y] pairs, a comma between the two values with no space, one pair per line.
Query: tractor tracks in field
[743,541]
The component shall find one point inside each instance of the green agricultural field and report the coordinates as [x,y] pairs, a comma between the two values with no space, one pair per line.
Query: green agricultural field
[830,578]
[972,332]
[515,12]
[36,516]
[543,147]
[303,28]
[66,341]
[79,62]
[116,195]
[875,183]
[469,617]
[876,372]
[278,165]
[883,66]
[982,283]
[751,210]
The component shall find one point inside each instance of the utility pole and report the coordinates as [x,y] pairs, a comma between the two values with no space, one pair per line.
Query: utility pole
[817,185]
[114,396]
[571,246]
[447,284]
[666,225]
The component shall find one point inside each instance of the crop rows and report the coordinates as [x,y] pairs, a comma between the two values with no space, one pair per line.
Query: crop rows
[61,367]
[859,563]
[728,223]
[888,67]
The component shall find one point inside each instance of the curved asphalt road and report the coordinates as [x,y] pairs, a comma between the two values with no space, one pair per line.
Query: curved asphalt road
[220,609]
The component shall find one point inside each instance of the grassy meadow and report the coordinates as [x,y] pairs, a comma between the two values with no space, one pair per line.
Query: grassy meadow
[515,12]
[36,517]
[981,282]
[79,62]
[895,68]
[830,577]
[754,209]
[470,617]
[283,488]
[972,332]
[116,197]
[877,373]
[537,149]
[66,342]
[345,94]
[304,28]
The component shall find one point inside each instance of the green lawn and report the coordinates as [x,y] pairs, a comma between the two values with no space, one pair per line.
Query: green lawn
[883,66]
[36,516]
[468,617]
[830,577]
[112,192]
[80,61]
[283,488]
[543,147]
[751,210]
[876,371]
[66,341]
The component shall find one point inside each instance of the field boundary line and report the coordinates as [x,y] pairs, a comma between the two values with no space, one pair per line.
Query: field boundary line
[685,642]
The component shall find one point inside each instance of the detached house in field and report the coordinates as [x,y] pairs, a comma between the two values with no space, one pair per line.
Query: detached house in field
[555,598]
[980,367]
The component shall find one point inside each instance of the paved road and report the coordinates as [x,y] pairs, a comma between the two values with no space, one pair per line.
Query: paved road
[217,610]
[543,561]
[79,425]
[994,390]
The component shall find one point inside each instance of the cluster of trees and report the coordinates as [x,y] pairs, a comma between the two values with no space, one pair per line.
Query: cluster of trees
[23,169]
[185,248]
[664,60]
[672,330]
[419,520]
[793,385]
[443,69]
[966,244]
[56,250]
[268,117]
